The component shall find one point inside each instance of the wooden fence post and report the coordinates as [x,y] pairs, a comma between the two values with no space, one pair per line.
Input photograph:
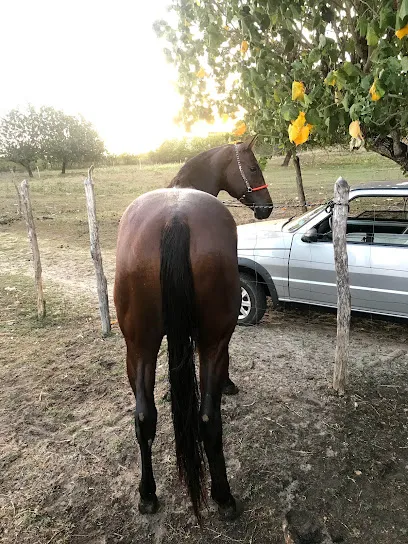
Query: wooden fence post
[340,213]
[96,254]
[19,210]
[299,182]
[32,236]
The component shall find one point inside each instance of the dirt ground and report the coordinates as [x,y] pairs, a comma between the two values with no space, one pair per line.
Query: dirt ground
[69,461]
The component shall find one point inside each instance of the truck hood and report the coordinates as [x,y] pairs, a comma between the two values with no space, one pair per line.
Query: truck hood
[247,234]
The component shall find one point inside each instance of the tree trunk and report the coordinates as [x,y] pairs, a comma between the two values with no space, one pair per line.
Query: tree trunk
[287,158]
[299,183]
[387,147]
[63,167]
[28,168]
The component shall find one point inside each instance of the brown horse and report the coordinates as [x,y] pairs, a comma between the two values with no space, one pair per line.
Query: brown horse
[227,168]
[177,275]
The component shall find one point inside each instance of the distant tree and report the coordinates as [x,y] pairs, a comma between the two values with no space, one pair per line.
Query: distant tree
[69,140]
[49,134]
[21,137]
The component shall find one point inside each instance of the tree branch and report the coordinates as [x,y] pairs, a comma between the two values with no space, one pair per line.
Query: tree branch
[351,20]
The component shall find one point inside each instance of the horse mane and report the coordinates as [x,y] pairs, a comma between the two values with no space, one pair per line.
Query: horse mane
[198,165]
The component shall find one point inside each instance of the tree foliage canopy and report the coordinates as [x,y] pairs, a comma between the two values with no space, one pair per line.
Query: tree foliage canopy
[337,62]
[48,134]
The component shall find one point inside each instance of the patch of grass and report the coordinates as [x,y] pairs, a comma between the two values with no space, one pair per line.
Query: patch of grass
[19,306]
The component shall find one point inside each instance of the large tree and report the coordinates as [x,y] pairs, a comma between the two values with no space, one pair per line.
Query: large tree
[49,134]
[336,62]
[69,140]
[21,137]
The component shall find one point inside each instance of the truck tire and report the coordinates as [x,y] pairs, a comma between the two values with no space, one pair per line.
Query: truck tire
[253,300]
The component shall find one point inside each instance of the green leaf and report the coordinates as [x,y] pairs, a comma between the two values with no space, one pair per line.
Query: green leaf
[371,37]
[366,82]
[341,80]
[307,100]
[327,14]
[403,10]
[404,64]
[331,78]
[316,20]
[362,25]
[355,111]
[379,88]
[322,41]
[313,117]
[289,112]
[350,69]
[345,102]
[387,18]
[290,44]
[332,123]
[314,55]
[265,22]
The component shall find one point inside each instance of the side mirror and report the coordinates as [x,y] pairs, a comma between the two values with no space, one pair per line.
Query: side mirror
[310,236]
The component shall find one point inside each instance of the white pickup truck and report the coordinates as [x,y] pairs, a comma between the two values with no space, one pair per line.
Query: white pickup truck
[293,259]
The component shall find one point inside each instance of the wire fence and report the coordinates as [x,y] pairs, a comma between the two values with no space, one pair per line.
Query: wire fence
[281,206]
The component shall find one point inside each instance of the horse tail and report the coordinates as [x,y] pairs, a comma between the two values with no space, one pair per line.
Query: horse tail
[180,323]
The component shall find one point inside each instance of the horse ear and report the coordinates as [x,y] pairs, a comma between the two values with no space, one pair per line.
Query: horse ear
[251,142]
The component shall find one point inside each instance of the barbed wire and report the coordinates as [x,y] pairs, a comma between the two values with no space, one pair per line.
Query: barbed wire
[281,206]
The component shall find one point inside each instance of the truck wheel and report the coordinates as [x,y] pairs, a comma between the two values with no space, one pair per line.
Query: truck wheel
[253,301]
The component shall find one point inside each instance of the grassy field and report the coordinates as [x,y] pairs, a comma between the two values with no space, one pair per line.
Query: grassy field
[69,463]
[58,201]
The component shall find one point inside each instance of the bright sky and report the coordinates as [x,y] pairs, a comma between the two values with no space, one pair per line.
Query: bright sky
[98,58]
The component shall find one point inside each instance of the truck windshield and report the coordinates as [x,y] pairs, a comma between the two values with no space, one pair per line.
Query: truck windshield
[298,222]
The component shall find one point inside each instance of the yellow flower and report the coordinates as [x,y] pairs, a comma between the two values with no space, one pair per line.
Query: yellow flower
[355,130]
[300,121]
[226,27]
[224,117]
[201,73]
[298,130]
[244,47]
[375,95]
[402,32]
[241,129]
[298,91]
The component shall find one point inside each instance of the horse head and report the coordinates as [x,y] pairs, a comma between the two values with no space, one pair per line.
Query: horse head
[244,180]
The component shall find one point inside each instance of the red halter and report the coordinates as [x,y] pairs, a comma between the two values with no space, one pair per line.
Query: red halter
[258,188]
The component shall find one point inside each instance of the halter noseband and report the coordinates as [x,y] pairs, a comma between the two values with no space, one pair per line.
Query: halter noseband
[248,187]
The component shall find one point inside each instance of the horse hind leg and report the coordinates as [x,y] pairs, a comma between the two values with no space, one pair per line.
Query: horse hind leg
[212,379]
[141,372]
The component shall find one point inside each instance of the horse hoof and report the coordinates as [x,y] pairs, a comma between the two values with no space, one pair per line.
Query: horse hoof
[230,511]
[230,388]
[148,506]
